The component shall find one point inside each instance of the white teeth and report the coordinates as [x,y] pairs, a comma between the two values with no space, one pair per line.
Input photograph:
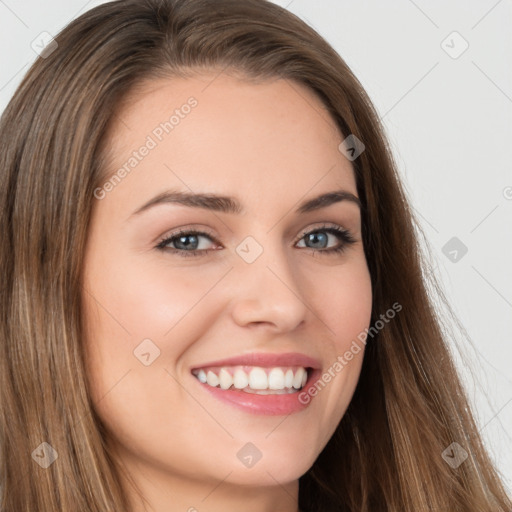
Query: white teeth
[258,379]
[201,376]
[225,379]
[212,379]
[240,379]
[297,380]
[288,379]
[276,379]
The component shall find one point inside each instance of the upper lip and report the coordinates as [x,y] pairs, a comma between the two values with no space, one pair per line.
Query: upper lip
[265,360]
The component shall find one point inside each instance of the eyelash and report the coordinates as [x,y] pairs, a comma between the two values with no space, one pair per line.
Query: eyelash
[343,234]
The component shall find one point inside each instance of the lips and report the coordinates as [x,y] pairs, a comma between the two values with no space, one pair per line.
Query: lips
[259,383]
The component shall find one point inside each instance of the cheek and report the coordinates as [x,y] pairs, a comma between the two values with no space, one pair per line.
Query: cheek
[344,299]
[346,307]
[138,300]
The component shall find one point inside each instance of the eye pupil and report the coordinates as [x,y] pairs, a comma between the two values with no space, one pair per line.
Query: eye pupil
[181,240]
[315,237]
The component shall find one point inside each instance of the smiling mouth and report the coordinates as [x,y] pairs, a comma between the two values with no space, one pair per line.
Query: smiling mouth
[254,379]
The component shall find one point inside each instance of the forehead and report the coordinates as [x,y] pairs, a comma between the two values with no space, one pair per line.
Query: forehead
[221,134]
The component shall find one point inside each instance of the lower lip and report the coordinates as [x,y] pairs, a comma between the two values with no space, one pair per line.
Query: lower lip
[263,404]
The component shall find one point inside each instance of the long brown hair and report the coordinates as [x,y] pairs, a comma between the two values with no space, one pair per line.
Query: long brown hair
[409,405]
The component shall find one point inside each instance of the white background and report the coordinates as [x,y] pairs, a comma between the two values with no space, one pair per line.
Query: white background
[450,124]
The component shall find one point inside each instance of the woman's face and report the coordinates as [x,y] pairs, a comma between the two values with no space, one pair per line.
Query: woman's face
[248,298]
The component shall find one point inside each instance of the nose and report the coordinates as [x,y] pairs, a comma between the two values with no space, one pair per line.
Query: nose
[267,293]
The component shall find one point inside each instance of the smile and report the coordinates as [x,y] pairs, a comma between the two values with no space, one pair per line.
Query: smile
[254,379]
[259,383]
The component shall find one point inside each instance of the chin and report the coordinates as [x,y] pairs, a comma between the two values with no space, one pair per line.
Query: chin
[271,472]
[266,462]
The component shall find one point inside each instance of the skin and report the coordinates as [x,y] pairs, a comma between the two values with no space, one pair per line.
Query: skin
[271,145]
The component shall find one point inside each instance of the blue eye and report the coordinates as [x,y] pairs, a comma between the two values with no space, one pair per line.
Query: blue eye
[320,237]
[187,243]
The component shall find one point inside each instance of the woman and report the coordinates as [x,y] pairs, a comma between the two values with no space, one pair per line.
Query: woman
[213,294]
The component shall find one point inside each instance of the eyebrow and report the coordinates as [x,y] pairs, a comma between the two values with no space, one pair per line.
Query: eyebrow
[228,204]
